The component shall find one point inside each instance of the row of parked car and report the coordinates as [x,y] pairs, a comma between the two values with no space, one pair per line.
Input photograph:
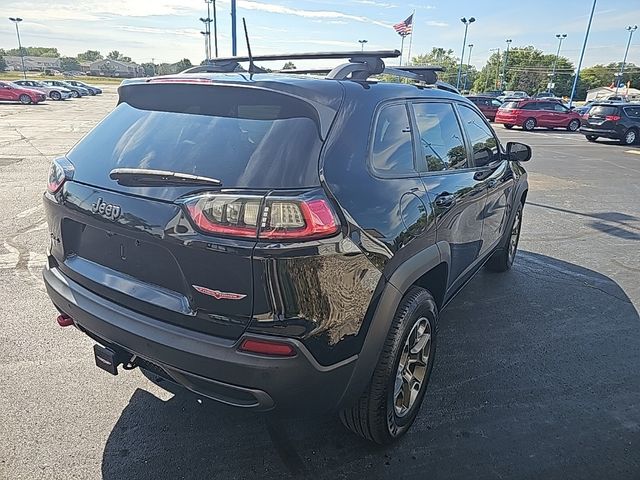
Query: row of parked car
[35,91]
[607,119]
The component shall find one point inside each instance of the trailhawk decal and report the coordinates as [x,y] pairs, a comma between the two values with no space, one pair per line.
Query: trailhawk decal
[218,295]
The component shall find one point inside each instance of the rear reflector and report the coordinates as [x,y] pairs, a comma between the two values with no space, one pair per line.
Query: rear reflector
[267,347]
[64,320]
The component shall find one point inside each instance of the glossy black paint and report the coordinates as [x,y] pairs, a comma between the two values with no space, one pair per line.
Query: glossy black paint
[333,295]
[596,124]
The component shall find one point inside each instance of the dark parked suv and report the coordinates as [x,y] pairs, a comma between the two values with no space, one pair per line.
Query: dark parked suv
[272,241]
[620,121]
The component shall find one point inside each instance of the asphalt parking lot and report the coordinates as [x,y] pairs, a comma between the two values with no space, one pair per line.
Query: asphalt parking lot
[537,372]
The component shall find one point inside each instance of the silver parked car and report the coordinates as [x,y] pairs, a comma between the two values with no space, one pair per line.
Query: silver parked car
[52,91]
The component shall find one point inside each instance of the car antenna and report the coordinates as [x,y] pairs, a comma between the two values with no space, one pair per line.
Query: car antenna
[246,36]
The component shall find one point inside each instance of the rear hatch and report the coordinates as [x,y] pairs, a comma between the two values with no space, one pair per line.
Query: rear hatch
[602,117]
[137,240]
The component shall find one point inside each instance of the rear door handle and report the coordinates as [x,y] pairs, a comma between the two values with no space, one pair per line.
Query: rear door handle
[445,200]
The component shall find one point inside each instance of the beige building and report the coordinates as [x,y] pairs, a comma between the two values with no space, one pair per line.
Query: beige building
[603,93]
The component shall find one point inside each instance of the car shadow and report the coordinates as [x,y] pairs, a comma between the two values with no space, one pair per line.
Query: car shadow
[536,376]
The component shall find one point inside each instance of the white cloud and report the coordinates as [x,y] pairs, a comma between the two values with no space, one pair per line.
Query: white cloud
[375,4]
[433,23]
[187,32]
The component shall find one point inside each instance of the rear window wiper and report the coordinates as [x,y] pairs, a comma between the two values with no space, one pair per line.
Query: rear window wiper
[142,176]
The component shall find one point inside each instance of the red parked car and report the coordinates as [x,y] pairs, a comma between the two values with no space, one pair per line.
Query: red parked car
[532,113]
[487,105]
[12,92]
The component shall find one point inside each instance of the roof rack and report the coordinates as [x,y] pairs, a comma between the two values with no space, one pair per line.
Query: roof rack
[360,65]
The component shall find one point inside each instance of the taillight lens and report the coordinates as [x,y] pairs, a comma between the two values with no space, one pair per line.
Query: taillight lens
[612,118]
[267,347]
[274,218]
[61,170]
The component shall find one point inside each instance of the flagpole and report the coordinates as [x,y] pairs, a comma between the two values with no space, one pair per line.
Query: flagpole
[413,22]
[401,48]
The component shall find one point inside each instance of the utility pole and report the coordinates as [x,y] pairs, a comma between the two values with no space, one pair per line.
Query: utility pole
[584,47]
[464,43]
[215,29]
[486,78]
[560,37]
[17,20]
[234,43]
[504,65]
[497,85]
[631,30]
[468,66]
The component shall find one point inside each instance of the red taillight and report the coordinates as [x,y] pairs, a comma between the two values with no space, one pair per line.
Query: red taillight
[61,170]
[267,347]
[275,218]
[612,118]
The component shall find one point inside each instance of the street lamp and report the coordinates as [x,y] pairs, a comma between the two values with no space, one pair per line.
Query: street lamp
[17,20]
[584,47]
[362,42]
[560,37]
[464,43]
[631,30]
[207,37]
[504,65]
[468,66]
[206,44]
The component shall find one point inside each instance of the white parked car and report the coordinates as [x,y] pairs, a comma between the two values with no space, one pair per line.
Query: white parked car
[53,92]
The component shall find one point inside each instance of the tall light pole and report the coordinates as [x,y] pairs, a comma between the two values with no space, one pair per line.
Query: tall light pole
[468,66]
[631,30]
[206,45]
[560,37]
[504,65]
[497,84]
[215,29]
[362,42]
[464,43]
[234,42]
[584,47]
[207,38]
[17,20]
[486,78]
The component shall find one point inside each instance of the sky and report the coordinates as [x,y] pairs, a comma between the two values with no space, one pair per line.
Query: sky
[168,30]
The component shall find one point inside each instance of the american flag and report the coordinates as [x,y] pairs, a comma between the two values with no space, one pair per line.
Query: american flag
[404,28]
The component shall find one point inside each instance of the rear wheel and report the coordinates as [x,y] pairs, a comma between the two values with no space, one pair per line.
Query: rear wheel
[25,99]
[573,126]
[508,126]
[591,138]
[630,137]
[529,124]
[55,95]
[391,402]
[502,259]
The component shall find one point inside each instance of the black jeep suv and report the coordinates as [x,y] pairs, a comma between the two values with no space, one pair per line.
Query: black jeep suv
[272,241]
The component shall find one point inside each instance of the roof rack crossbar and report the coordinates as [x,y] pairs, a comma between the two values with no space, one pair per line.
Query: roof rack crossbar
[312,56]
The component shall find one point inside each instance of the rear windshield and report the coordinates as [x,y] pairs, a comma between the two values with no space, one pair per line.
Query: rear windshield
[603,110]
[509,105]
[244,138]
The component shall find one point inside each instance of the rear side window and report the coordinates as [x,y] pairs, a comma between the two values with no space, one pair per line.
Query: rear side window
[531,106]
[603,110]
[392,150]
[509,105]
[483,141]
[242,137]
[633,112]
[440,136]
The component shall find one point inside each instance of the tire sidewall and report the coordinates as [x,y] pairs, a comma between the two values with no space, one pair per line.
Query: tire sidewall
[527,122]
[573,122]
[56,95]
[425,307]
[22,97]
[626,134]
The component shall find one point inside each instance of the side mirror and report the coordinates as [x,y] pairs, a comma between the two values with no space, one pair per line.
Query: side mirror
[518,152]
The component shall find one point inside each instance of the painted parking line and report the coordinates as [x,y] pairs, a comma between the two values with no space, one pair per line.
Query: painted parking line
[635,152]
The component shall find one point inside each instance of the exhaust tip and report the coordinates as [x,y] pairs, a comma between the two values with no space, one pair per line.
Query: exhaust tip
[64,320]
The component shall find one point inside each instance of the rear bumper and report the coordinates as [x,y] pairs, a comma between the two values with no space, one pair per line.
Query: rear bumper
[598,132]
[207,365]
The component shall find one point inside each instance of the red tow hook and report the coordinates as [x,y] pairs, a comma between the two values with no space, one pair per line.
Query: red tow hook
[64,320]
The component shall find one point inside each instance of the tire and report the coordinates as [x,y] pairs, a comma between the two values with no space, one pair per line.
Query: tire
[502,259]
[382,414]
[574,125]
[529,124]
[55,95]
[630,137]
[25,99]
[74,94]
[591,138]
[508,126]
[92,93]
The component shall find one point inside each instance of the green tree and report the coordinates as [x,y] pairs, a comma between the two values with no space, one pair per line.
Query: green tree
[36,52]
[441,58]
[289,66]
[89,56]
[150,69]
[69,64]
[526,69]
[3,64]
[183,65]
[116,55]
